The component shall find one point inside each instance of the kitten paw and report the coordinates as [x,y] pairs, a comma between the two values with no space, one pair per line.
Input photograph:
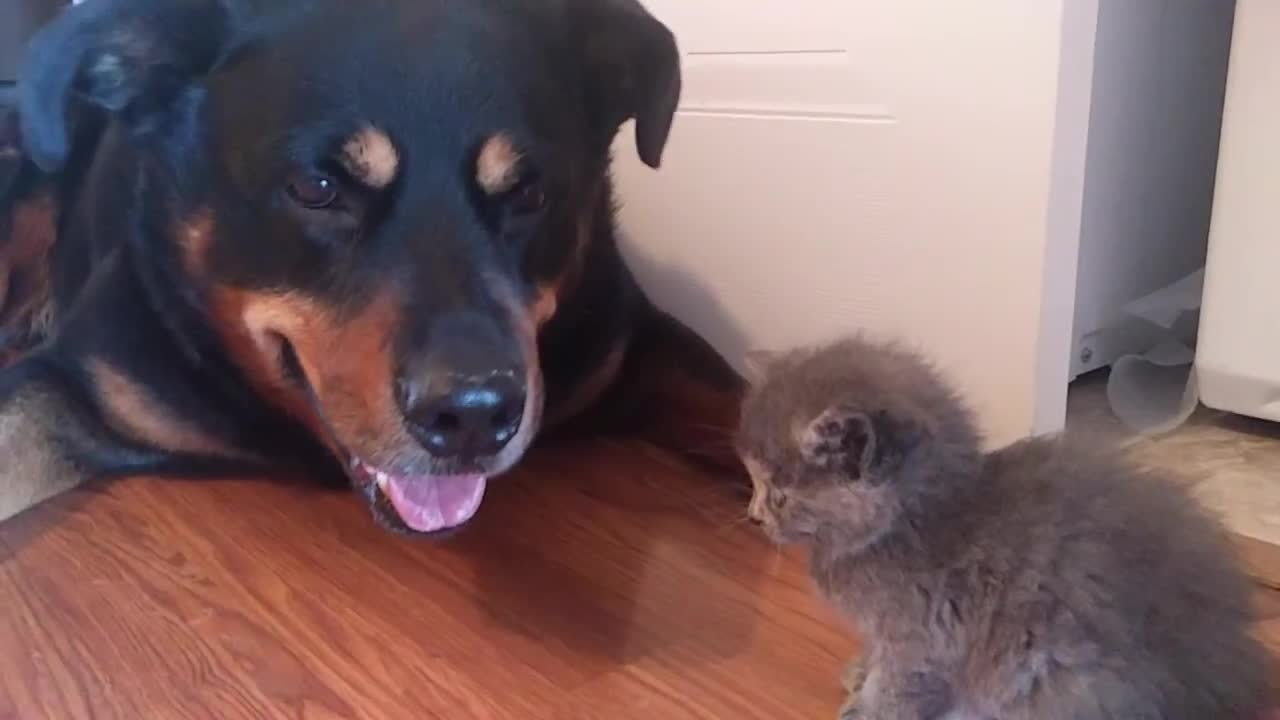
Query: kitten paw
[855,676]
[853,679]
[851,709]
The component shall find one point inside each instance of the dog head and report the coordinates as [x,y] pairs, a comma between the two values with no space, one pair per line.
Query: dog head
[373,205]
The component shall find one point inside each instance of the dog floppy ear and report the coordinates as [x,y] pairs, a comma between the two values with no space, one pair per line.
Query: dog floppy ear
[128,57]
[634,71]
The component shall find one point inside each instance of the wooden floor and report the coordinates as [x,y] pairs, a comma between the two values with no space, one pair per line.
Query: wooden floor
[601,581]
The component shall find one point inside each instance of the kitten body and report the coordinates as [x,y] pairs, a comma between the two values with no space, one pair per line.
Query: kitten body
[1046,580]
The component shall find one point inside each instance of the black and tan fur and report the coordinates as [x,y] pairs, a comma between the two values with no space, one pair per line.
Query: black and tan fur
[244,235]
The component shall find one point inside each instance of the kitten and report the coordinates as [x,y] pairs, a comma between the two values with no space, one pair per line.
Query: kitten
[1046,580]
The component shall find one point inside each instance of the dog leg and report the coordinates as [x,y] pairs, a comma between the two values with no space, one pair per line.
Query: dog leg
[38,424]
[52,440]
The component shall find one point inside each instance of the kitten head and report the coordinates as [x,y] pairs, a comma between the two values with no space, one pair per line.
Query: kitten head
[839,440]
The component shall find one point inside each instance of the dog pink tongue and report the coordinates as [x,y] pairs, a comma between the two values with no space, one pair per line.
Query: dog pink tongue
[430,504]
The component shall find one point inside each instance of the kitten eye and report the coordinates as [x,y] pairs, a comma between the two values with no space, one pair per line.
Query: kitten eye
[312,190]
[777,500]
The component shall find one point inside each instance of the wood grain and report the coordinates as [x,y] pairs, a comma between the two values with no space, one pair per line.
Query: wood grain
[603,580]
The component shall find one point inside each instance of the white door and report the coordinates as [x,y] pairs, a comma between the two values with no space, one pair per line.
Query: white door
[910,167]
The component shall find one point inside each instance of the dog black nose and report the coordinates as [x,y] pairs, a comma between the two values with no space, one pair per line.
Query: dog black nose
[466,418]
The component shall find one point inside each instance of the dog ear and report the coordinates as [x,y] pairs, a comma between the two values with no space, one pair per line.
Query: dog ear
[127,57]
[856,444]
[634,71]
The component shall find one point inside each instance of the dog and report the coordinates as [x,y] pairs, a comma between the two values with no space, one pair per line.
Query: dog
[372,237]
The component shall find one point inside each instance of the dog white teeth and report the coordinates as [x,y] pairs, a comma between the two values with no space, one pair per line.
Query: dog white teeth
[381,479]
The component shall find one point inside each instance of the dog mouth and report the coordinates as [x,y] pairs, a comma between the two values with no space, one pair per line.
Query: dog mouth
[416,502]
[426,503]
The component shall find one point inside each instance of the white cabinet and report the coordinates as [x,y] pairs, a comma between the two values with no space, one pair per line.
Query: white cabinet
[1238,359]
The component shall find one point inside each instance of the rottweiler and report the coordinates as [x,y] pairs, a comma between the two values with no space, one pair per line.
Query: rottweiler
[372,237]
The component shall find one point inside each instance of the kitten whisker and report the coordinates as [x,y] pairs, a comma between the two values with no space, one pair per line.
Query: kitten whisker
[733,524]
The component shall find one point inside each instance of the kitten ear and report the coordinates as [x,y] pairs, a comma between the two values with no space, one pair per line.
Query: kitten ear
[856,444]
[841,439]
[757,364]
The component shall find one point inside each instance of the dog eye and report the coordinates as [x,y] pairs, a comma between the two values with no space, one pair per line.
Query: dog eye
[528,199]
[313,191]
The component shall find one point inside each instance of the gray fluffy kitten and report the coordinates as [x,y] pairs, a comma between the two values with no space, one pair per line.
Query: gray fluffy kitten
[1046,580]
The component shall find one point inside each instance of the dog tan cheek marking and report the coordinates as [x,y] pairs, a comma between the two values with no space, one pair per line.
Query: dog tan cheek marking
[259,356]
[371,157]
[227,308]
[497,165]
[346,361]
[133,412]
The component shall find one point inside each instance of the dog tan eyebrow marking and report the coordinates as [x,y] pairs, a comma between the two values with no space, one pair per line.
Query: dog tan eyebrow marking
[497,165]
[371,157]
